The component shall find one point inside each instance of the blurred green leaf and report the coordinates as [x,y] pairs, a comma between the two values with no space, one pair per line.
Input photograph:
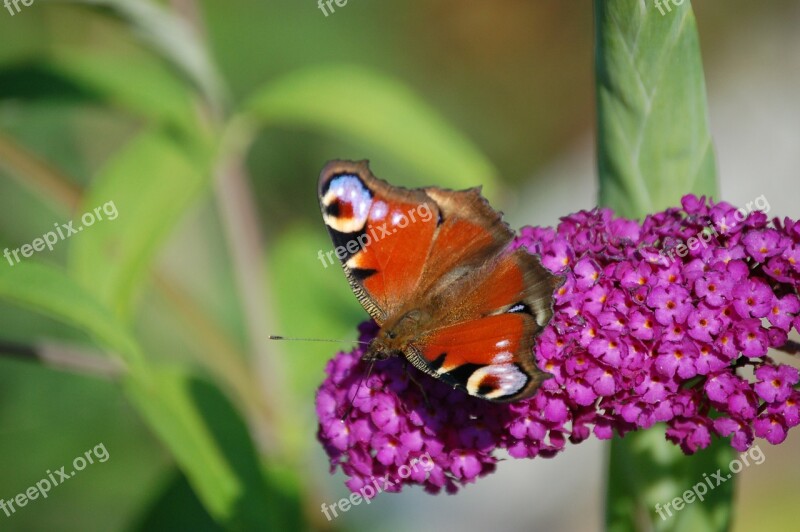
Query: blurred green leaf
[222,466]
[144,87]
[323,304]
[149,185]
[48,417]
[653,147]
[176,508]
[172,38]
[48,290]
[653,136]
[193,419]
[356,104]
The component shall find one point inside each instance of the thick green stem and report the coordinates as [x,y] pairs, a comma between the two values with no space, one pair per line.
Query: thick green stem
[654,146]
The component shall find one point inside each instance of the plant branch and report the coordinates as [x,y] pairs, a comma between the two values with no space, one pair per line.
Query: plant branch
[246,247]
[35,174]
[64,358]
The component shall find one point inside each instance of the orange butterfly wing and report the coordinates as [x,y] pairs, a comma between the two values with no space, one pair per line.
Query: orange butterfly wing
[488,357]
[486,344]
[383,252]
[397,243]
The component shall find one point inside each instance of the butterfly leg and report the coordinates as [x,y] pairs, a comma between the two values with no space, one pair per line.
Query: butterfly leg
[409,373]
[360,383]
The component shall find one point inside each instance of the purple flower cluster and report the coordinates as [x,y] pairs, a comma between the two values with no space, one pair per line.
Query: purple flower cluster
[639,337]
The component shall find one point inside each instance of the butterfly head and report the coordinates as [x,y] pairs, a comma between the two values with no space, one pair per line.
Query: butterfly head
[394,337]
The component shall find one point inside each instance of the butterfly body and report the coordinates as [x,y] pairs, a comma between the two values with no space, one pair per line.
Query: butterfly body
[434,269]
[394,338]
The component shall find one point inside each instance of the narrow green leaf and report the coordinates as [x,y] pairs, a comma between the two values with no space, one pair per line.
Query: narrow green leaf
[167,406]
[48,290]
[653,136]
[172,38]
[143,88]
[198,425]
[324,304]
[378,113]
[141,194]
[222,465]
[653,147]
[176,508]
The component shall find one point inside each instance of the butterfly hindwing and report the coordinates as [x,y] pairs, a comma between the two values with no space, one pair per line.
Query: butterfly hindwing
[490,357]
[488,334]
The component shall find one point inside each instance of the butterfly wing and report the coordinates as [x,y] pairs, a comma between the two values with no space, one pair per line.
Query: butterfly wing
[395,244]
[489,357]
[483,336]
[363,215]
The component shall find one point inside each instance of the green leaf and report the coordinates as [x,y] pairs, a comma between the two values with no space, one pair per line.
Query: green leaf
[222,465]
[653,136]
[653,147]
[176,508]
[203,432]
[172,38]
[323,303]
[141,194]
[379,113]
[48,290]
[144,87]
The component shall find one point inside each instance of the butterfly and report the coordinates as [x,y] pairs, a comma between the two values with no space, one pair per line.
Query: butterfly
[434,268]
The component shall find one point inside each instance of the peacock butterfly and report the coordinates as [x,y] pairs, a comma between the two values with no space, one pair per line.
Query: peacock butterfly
[435,270]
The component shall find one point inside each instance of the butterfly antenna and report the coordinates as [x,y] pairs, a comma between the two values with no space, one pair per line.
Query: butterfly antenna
[353,399]
[273,337]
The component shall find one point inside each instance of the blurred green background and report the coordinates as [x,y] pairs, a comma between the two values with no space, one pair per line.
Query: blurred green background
[207,124]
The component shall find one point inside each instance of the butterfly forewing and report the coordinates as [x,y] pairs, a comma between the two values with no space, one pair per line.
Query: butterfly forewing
[469,234]
[383,234]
